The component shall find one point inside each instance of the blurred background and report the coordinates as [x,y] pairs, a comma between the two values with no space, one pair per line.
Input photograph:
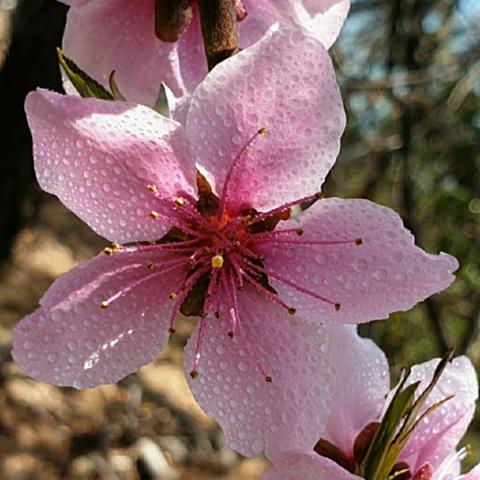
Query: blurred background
[410,75]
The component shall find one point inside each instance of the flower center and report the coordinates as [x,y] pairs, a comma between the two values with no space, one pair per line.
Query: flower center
[218,251]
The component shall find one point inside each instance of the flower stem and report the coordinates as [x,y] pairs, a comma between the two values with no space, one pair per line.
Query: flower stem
[219,29]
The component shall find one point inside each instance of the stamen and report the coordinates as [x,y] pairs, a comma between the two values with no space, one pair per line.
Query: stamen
[179,202]
[183,292]
[153,214]
[114,248]
[261,289]
[217,261]
[251,266]
[152,188]
[282,208]
[274,237]
[198,346]
[234,164]
[251,357]
[176,264]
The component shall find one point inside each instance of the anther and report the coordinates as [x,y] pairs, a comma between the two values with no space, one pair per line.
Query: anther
[299,232]
[268,379]
[152,188]
[108,251]
[230,334]
[318,195]
[217,314]
[153,214]
[262,131]
[172,296]
[104,304]
[292,311]
[337,307]
[151,265]
[358,241]
[179,202]
[217,261]
[171,330]
[194,374]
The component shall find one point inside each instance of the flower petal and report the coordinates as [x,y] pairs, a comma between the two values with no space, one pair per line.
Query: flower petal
[290,412]
[326,18]
[286,84]
[362,381]
[71,341]
[386,273]
[125,31]
[473,474]
[306,466]
[98,157]
[438,435]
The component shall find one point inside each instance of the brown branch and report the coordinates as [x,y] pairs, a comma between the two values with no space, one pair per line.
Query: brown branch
[219,28]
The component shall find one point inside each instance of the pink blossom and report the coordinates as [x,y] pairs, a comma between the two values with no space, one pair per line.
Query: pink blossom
[232,257]
[362,384]
[106,35]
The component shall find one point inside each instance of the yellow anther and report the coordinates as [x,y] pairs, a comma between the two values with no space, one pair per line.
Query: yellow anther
[358,241]
[268,379]
[108,251]
[217,261]
[104,304]
[151,265]
[292,311]
[116,247]
[262,131]
[194,374]
[153,214]
[179,202]
[152,188]
[172,296]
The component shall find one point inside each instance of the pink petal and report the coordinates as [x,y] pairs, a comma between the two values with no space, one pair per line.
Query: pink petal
[255,415]
[286,84]
[473,474]
[362,382]
[75,3]
[326,18]
[261,15]
[306,466]
[438,435]
[98,157]
[71,341]
[190,52]
[387,273]
[125,31]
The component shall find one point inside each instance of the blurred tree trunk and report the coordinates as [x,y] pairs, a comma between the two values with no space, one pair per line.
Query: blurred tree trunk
[36,29]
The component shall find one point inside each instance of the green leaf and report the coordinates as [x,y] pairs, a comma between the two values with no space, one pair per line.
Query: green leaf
[85,85]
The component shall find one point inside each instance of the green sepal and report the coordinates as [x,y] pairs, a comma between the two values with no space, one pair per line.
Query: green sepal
[116,93]
[398,425]
[161,103]
[85,85]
